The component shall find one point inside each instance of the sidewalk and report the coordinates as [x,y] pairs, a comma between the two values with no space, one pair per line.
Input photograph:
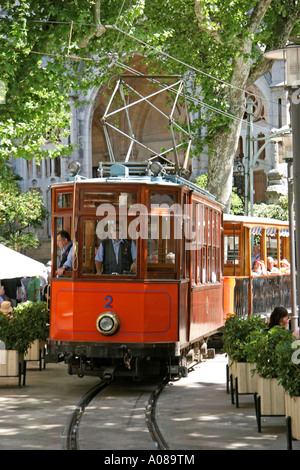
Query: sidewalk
[196,414]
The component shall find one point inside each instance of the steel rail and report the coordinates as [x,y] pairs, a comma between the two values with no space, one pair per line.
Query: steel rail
[153,428]
[72,427]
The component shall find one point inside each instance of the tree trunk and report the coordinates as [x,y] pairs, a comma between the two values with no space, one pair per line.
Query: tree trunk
[225,144]
[222,153]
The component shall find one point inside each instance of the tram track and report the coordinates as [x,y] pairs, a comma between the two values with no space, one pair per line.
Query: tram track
[153,428]
[71,440]
[71,432]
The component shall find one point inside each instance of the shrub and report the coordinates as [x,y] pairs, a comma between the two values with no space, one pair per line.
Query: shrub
[236,335]
[27,322]
[261,349]
[288,368]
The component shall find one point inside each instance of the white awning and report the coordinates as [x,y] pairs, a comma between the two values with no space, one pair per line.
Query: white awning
[14,264]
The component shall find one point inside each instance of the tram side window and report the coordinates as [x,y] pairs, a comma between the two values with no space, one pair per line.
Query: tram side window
[206,248]
[64,200]
[272,248]
[231,249]
[164,227]
[198,248]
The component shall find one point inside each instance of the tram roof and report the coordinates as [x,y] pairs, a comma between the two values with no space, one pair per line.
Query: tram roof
[165,180]
[250,221]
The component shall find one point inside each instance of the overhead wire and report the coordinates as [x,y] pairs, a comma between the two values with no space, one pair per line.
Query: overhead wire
[194,99]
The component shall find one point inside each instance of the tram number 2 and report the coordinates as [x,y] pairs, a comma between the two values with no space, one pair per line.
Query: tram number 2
[109,300]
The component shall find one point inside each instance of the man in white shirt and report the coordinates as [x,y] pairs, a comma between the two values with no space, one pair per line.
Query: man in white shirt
[116,255]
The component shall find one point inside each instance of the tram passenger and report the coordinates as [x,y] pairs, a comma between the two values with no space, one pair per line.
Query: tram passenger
[66,245]
[280,317]
[116,255]
[285,266]
[259,268]
[256,254]
[271,268]
[154,256]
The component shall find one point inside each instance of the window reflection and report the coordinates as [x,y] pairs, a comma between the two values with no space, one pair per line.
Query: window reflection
[64,200]
[92,199]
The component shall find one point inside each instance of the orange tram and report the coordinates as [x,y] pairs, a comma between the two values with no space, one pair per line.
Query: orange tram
[187,265]
[245,292]
[142,317]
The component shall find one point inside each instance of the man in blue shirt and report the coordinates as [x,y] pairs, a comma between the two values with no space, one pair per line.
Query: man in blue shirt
[116,255]
[66,245]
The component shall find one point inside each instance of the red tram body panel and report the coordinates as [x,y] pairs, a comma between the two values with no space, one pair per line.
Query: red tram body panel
[76,306]
[167,296]
[205,312]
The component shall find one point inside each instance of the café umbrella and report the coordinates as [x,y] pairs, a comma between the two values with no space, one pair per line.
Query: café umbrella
[14,264]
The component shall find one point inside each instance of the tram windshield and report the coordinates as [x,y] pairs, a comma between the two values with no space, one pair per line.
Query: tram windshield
[108,246]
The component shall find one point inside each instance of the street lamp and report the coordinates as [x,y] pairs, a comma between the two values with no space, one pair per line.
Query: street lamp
[291,56]
[287,143]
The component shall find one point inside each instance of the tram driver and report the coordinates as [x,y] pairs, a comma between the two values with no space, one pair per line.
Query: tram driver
[116,255]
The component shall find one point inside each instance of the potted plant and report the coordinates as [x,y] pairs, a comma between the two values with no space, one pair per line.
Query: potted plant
[37,325]
[236,334]
[288,370]
[27,322]
[270,400]
[14,342]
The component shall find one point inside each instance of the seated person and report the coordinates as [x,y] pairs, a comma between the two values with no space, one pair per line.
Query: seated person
[66,245]
[170,257]
[116,255]
[285,266]
[259,268]
[271,268]
[154,256]
[256,254]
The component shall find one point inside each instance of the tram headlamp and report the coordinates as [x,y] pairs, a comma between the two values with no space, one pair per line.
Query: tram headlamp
[108,323]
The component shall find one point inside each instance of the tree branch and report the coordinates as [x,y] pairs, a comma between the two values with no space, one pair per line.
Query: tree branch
[99,28]
[257,15]
[202,20]
[264,65]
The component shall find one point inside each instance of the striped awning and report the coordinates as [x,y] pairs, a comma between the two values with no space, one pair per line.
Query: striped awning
[270,231]
[256,231]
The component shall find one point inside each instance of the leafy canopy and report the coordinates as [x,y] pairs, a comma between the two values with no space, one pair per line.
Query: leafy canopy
[52,50]
[19,213]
